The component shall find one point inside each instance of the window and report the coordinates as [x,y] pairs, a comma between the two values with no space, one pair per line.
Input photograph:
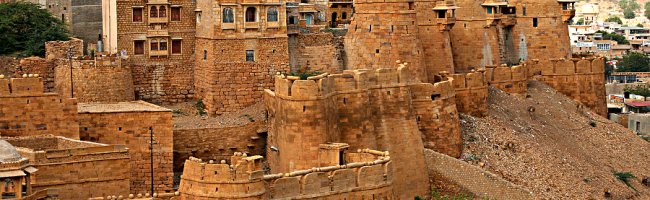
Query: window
[344,15]
[293,20]
[535,23]
[441,14]
[250,55]
[138,47]
[251,14]
[524,11]
[163,45]
[177,46]
[205,54]
[176,14]
[162,12]
[153,11]
[198,17]
[63,17]
[272,14]
[489,10]
[153,45]
[228,15]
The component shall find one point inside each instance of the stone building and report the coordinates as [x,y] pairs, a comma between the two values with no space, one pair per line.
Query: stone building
[136,125]
[239,47]
[75,168]
[16,171]
[340,13]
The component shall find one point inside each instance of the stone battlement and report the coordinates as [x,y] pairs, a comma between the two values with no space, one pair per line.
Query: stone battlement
[140,196]
[30,85]
[509,79]
[471,93]
[325,85]
[567,67]
[369,172]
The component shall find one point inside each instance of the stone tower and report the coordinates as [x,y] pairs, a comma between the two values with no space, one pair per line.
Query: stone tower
[382,32]
[435,18]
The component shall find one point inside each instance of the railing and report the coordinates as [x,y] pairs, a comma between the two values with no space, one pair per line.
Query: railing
[252,25]
[158,53]
[158,20]
[446,21]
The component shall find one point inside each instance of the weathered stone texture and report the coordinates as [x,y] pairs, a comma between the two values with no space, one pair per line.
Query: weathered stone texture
[133,125]
[218,143]
[434,37]
[159,83]
[79,170]
[40,66]
[320,52]
[549,39]
[59,49]
[471,93]
[26,111]
[511,80]
[583,80]
[100,80]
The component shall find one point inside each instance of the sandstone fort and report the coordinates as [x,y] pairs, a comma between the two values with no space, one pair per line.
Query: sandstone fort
[309,99]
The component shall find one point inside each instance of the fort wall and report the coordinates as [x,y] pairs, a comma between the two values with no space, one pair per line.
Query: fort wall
[160,83]
[513,80]
[243,179]
[548,38]
[368,107]
[104,79]
[471,93]
[133,124]
[583,80]
[25,110]
[475,37]
[321,52]
[76,168]
[200,143]
[40,66]
[434,35]
[59,49]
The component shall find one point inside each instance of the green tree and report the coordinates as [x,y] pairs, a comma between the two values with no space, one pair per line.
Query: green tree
[25,27]
[615,19]
[634,62]
[613,36]
[628,14]
[646,13]
[639,89]
[580,21]
[639,25]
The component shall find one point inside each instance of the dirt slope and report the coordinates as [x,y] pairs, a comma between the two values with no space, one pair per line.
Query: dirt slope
[548,144]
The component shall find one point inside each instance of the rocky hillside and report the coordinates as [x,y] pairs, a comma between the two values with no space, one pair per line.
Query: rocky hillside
[557,149]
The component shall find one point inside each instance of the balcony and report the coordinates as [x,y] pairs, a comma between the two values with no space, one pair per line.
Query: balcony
[273,24]
[157,33]
[567,15]
[153,53]
[158,20]
[445,24]
[157,2]
[509,20]
[493,19]
[293,29]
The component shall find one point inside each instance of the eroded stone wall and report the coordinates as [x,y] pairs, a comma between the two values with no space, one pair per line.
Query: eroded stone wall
[511,80]
[134,129]
[59,49]
[218,143]
[26,111]
[321,52]
[40,66]
[471,93]
[582,80]
[100,80]
[163,83]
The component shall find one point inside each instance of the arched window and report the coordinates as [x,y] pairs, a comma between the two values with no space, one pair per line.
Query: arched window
[163,45]
[228,15]
[153,45]
[162,12]
[272,14]
[153,12]
[344,15]
[251,14]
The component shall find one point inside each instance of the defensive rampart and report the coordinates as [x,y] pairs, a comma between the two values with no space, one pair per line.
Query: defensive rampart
[366,176]
[377,109]
[26,110]
[583,80]
[104,79]
[512,80]
[471,93]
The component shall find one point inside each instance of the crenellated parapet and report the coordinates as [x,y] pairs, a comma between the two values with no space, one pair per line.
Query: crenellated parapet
[471,93]
[582,79]
[241,179]
[512,80]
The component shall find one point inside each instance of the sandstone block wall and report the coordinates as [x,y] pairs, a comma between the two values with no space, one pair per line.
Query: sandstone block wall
[161,83]
[40,66]
[218,143]
[582,80]
[132,124]
[79,170]
[59,49]
[26,111]
[549,39]
[511,80]
[244,179]
[101,80]
[474,38]
[382,33]
[364,108]
[471,93]
[321,52]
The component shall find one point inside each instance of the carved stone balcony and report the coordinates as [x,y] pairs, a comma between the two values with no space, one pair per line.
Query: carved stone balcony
[493,19]
[567,15]
[445,24]
[252,25]
[158,20]
[157,33]
[225,26]
[159,53]
[293,28]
